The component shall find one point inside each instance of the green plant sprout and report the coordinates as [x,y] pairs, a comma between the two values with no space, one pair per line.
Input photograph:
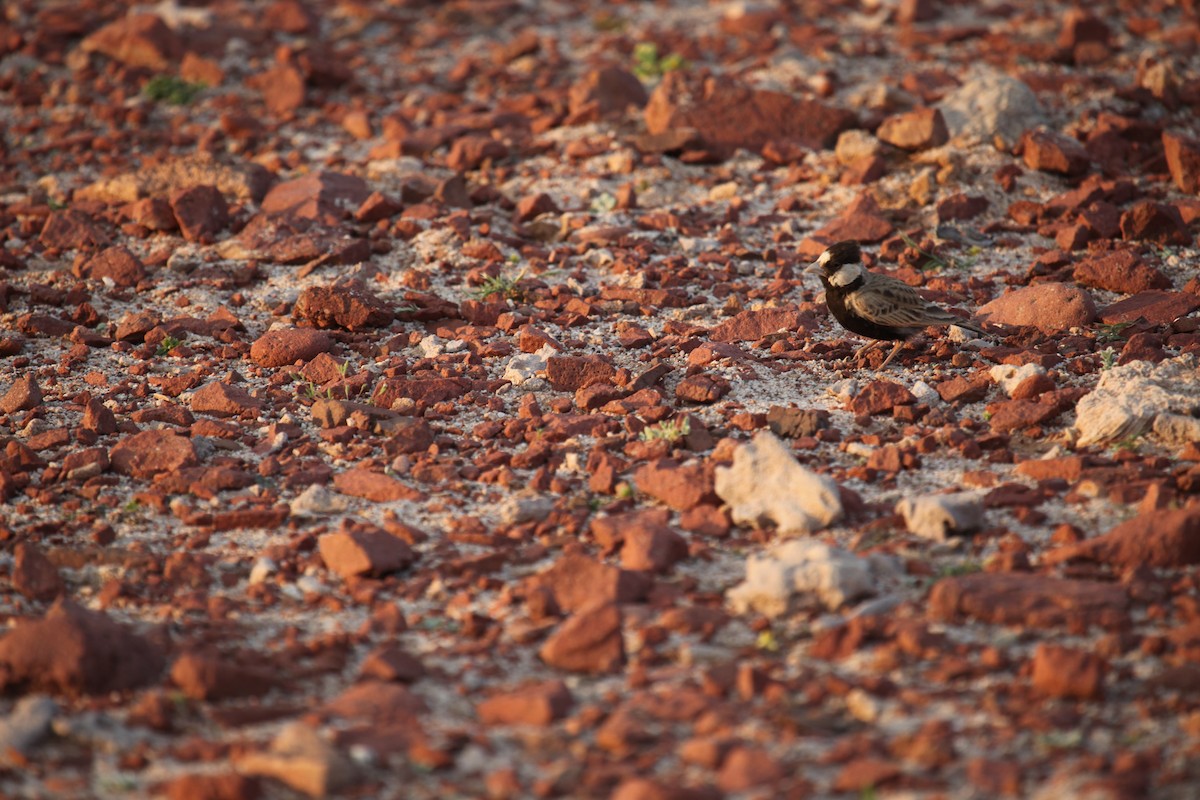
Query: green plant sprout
[669,430]
[172,90]
[1111,332]
[1129,443]
[502,285]
[1108,359]
[167,344]
[603,203]
[648,65]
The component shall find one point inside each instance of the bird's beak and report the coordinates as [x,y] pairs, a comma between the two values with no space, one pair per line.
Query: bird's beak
[813,269]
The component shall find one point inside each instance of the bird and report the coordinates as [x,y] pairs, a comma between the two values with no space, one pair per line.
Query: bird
[876,306]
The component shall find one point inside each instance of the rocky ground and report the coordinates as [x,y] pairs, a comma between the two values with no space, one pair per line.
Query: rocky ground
[426,400]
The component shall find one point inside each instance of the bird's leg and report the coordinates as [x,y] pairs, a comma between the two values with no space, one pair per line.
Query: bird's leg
[892,354]
[858,353]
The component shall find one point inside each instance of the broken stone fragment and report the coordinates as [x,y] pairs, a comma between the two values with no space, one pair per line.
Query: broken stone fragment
[800,569]
[940,516]
[765,484]
[1128,399]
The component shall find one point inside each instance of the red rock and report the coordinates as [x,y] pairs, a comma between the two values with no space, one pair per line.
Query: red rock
[532,206]
[73,651]
[1142,347]
[201,212]
[324,196]
[1155,222]
[427,390]
[283,89]
[374,486]
[134,325]
[378,206]
[1015,415]
[212,676]
[281,348]
[961,206]
[537,704]
[1067,672]
[23,395]
[378,702]
[577,582]
[652,548]
[918,129]
[1051,307]
[211,786]
[911,11]
[198,69]
[116,264]
[1028,600]
[862,220]
[289,16]
[83,464]
[752,325]
[1049,151]
[351,306]
[1183,160]
[1068,468]
[225,400]
[97,417]
[1157,308]
[72,229]
[960,389]
[864,170]
[391,663]
[746,768]
[572,373]
[647,789]
[606,91]
[879,397]
[33,575]
[995,778]
[1121,272]
[469,152]
[364,552]
[727,114]
[588,641]
[702,388]
[1082,27]
[137,40]
[1167,538]
[675,485]
[149,453]
[865,773]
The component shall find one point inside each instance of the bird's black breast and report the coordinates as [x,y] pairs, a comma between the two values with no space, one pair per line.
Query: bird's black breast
[835,298]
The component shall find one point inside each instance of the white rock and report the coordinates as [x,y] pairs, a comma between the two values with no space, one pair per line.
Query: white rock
[856,144]
[925,393]
[938,516]
[1128,400]
[1010,377]
[800,569]
[518,508]
[1177,429]
[26,725]
[318,500]
[524,367]
[990,106]
[263,568]
[766,484]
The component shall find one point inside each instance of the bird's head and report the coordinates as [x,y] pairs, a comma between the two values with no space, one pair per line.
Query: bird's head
[840,264]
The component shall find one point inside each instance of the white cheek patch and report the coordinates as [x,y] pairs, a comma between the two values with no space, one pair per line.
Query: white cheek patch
[846,275]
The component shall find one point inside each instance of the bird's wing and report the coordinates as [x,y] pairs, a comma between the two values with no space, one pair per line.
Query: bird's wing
[887,301]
